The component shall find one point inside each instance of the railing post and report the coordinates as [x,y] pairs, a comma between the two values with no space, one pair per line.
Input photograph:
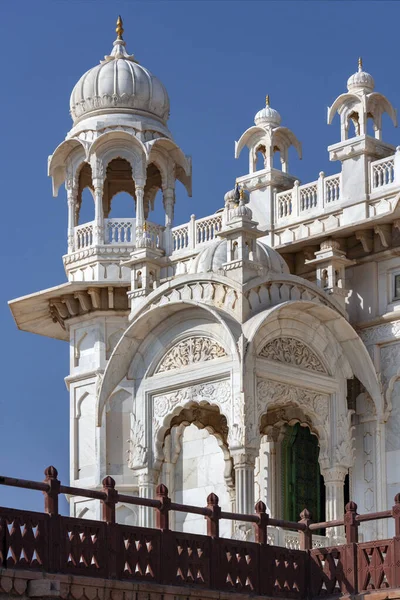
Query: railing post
[192,232]
[51,508]
[397,165]
[321,190]
[51,496]
[162,513]
[396,515]
[296,199]
[108,515]
[396,540]
[305,534]
[349,584]
[350,523]
[213,519]
[108,504]
[261,532]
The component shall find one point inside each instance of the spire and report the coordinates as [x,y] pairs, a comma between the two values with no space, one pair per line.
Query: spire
[119,50]
[119,29]
[267,100]
[360,64]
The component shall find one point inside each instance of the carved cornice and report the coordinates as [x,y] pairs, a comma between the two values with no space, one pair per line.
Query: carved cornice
[192,350]
[293,352]
[85,301]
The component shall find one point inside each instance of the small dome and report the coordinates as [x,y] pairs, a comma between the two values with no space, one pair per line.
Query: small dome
[119,83]
[215,255]
[267,116]
[360,80]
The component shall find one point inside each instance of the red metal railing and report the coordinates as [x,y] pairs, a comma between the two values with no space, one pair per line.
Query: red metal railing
[57,544]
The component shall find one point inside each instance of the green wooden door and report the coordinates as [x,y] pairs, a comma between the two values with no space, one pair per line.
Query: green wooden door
[301,474]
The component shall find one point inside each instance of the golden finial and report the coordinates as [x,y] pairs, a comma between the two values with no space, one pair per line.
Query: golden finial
[119,29]
[360,65]
[267,100]
[145,226]
[241,193]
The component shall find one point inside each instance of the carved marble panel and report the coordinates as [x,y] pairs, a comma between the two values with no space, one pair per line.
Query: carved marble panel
[214,393]
[192,350]
[293,352]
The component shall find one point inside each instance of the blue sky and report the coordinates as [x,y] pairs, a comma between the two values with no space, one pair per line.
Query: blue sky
[217,60]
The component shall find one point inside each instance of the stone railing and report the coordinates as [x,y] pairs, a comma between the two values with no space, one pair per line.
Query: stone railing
[382,172]
[119,231]
[51,543]
[197,232]
[84,235]
[307,199]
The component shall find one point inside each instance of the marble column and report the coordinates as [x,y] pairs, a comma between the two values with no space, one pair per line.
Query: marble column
[139,192]
[169,203]
[147,489]
[98,234]
[334,496]
[243,463]
[71,199]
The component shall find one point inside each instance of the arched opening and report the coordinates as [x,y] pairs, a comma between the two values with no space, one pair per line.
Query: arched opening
[289,471]
[84,208]
[119,179]
[276,161]
[153,198]
[353,124]
[196,463]
[302,483]
[260,158]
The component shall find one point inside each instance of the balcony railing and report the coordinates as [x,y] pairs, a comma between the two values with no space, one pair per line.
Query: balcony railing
[49,542]
[120,232]
[309,198]
[382,173]
[196,233]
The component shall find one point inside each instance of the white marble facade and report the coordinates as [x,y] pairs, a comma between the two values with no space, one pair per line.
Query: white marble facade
[193,348]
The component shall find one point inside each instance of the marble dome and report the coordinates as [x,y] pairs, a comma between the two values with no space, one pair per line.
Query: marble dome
[267,116]
[360,80]
[119,84]
[214,256]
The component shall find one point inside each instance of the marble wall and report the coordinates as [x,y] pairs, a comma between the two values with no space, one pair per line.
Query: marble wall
[199,470]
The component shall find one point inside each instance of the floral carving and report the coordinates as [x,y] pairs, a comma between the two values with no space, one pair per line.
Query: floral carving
[219,392]
[271,392]
[137,453]
[190,351]
[293,352]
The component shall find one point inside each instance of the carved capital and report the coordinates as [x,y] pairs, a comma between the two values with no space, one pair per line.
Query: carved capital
[244,458]
[335,474]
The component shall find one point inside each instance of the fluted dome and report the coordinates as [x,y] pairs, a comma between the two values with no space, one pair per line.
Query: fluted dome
[215,255]
[360,80]
[267,116]
[119,84]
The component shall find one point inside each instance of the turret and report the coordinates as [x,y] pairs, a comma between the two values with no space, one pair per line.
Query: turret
[357,149]
[119,142]
[267,137]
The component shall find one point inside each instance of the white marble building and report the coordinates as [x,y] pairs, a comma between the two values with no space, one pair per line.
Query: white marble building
[254,352]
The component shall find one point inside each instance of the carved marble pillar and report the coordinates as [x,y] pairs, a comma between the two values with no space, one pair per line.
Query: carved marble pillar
[243,463]
[98,185]
[139,191]
[169,203]
[147,489]
[71,199]
[334,496]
